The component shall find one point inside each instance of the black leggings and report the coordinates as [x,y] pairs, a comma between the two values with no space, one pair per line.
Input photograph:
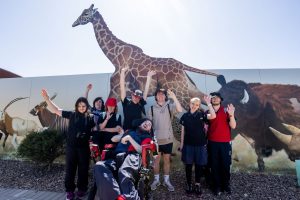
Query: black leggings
[188,173]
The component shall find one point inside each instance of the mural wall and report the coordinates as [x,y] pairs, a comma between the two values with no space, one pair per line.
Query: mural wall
[266,101]
[267,109]
[21,95]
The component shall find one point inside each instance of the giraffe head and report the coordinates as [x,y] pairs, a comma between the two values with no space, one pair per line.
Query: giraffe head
[86,16]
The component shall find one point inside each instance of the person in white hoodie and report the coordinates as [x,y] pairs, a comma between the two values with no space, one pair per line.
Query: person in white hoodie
[161,115]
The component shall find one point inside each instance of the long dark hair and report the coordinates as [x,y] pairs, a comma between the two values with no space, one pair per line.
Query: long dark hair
[83,100]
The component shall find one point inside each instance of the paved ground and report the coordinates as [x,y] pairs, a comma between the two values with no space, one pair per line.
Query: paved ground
[18,194]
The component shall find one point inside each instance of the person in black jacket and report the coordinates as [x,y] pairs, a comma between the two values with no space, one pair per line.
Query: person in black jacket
[77,148]
[96,109]
[133,108]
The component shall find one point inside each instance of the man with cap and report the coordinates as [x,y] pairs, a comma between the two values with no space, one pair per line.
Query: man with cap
[134,108]
[219,144]
[161,115]
[127,150]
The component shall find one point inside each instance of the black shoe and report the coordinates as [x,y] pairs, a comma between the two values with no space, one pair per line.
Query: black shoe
[227,189]
[188,188]
[198,189]
[217,192]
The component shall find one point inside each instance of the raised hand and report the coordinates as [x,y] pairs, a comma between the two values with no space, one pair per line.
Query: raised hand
[151,73]
[89,87]
[124,69]
[230,109]
[207,99]
[45,94]
[171,94]
[108,115]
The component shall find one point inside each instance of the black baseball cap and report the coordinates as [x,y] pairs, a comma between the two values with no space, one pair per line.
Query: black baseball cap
[216,94]
[138,93]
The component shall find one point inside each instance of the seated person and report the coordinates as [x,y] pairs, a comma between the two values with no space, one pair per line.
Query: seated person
[129,148]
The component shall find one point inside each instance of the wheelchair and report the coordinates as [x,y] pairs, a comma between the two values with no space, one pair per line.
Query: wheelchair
[142,183]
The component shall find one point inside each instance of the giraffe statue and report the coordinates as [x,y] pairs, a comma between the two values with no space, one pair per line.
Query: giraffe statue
[170,73]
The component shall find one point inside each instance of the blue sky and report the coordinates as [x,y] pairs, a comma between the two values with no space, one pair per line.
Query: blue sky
[36,37]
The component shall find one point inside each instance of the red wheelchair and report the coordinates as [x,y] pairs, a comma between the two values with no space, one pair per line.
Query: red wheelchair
[149,153]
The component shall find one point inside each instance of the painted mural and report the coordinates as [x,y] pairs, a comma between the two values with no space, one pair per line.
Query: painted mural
[267,110]
[170,73]
[267,101]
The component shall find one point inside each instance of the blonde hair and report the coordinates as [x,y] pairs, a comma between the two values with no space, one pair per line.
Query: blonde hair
[195,99]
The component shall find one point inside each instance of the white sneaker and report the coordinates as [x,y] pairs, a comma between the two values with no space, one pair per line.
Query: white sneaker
[169,186]
[155,184]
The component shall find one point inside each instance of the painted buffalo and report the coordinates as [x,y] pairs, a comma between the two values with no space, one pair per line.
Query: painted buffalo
[259,107]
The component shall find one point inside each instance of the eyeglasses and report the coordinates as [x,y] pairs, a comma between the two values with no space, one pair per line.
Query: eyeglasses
[146,123]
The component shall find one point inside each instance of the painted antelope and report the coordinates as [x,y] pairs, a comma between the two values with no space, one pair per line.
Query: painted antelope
[15,126]
[48,119]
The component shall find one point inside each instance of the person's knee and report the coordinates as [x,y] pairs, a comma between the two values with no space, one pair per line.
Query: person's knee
[167,158]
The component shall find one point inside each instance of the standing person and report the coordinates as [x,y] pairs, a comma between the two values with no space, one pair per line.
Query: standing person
[193,141]
[110,123]
[77,149]
[96,110]
[134,108]
[219,144]
[161,114]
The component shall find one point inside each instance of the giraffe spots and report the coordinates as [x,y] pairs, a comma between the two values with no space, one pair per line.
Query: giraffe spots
[165,69]
[135,65]
[175,70]
[134,72]
[147,62]
[138,56]
[127,51]
[169,76]
[169,72]
[178,65]
[107,39]
[110,45]
[144,72]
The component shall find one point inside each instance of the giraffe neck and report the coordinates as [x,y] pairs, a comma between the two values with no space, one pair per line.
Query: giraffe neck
[111,46]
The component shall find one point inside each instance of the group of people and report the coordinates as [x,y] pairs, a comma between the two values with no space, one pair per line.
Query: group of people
[205,140]
[206,143]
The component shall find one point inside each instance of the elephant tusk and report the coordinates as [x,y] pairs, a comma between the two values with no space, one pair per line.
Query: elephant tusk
[286,139]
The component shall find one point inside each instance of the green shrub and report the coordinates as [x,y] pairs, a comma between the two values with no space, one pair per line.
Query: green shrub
[42,147]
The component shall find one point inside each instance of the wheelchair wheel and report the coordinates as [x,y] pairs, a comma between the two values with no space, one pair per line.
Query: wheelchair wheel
[92,192]
[144,189]
[141,189]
